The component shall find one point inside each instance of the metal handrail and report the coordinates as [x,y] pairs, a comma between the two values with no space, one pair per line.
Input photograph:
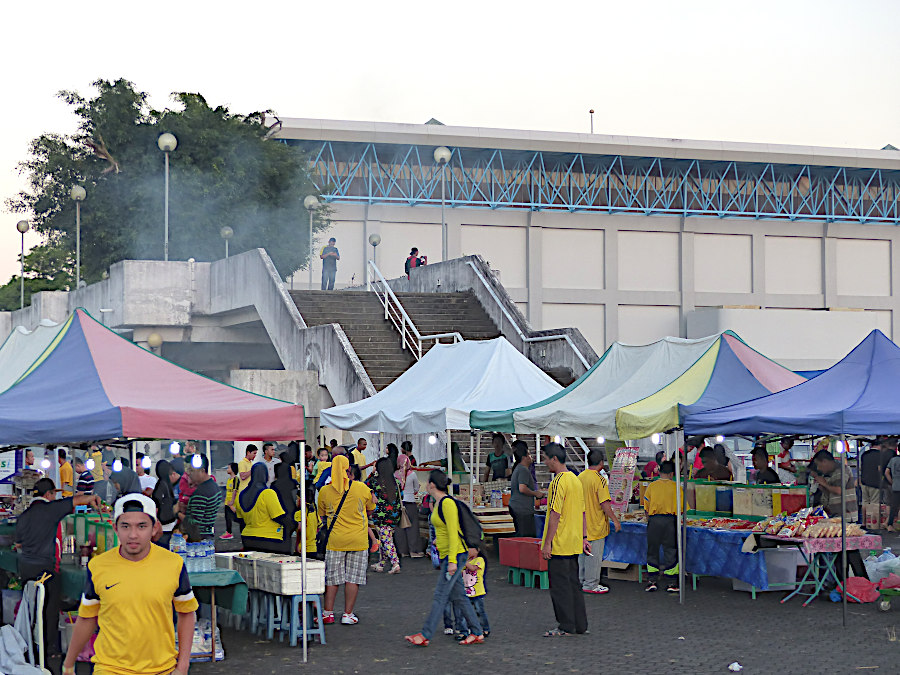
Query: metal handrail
[522,336]
[393,311]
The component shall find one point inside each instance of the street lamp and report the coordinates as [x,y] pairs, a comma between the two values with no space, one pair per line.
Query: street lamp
[374,240]
[22,226]
[226,233]
[77,193]
[167,143]
[310,203]
[442,157]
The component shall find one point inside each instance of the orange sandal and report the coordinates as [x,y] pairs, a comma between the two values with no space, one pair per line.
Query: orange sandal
[473,640]
[417,640]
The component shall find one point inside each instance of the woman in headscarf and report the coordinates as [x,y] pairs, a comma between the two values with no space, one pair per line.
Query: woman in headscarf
[387,513]
[407,539]
[126,482]
[261,513]
[164,498]
[286,489]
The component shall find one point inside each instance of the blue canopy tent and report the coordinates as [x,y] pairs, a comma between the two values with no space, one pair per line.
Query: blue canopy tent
[858,396]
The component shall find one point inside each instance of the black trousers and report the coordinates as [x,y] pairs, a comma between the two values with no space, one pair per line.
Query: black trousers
[661,533]
[230,519]
[52,591]
[524,524]
[565,592]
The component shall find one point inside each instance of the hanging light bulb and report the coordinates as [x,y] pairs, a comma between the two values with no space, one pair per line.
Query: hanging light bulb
[117,465]
[557,439]
[174,448]
[839,446]
[601,440]
[197,461]
[720,439]
[655,439]
[432,439]
[146,463]
[90,464]
[45,463]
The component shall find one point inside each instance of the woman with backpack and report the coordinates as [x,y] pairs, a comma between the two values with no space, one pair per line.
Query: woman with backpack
[453,552]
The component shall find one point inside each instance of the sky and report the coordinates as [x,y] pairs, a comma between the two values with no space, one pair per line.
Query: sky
[801,72]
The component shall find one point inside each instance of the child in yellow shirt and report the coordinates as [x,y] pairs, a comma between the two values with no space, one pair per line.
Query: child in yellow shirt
[473,578]
[660,503]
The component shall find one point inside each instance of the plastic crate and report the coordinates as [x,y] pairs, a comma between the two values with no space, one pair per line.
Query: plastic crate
[509,550]
[530,557]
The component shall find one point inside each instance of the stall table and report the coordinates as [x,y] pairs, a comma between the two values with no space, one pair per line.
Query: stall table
[232,596]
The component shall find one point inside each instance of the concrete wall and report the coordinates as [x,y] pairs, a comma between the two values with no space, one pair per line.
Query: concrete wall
[635,278]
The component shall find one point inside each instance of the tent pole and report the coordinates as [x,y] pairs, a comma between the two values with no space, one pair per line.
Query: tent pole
[208,456]
[537,448]
[843,535]
[472,466]
[450,460]
[678,525]
[302,543]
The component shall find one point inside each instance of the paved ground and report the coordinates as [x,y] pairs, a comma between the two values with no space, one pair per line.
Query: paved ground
[631,632]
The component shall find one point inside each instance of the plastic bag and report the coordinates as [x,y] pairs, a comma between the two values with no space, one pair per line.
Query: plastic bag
[861,590]
[890,581]
[871,564]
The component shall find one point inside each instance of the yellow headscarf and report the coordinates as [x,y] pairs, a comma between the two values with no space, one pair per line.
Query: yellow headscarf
[339,479]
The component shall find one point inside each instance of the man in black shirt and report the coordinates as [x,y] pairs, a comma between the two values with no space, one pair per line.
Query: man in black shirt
[870,473]
[329,255]
[497,465]
[204,503]
[765,475]
[37,531]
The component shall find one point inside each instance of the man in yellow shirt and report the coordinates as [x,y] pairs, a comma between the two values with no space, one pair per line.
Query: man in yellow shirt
[129,593]
[359,457]
[245,465]
[66,474]
[347,552]
[660,503]
[565,538]
[598,513]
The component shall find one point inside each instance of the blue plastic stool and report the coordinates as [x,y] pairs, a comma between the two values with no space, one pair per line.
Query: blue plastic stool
[292,622]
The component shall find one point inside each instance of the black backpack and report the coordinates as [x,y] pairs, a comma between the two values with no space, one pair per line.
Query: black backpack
[472,531]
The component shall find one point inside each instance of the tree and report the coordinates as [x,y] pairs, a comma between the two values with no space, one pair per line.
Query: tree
[48,267]
[223,172]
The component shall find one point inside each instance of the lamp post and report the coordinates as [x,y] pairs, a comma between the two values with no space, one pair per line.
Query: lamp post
[77,193]
[167,143]
[310,203]
[226,233]
[442,157]
[374,240]
[22,226]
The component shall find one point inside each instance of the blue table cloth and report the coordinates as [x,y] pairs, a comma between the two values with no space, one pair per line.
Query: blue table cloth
[707,552]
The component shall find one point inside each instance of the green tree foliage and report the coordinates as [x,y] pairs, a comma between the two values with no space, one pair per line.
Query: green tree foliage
[223,172]
[48,267]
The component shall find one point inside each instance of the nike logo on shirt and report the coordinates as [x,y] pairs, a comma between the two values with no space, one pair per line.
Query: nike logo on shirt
[115,584]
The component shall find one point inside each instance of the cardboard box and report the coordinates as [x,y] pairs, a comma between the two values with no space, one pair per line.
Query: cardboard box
[621,571]
[464,492]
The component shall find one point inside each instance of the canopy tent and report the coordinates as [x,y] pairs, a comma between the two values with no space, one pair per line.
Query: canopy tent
[439,391]
[22,348]
[634,392]
[856,396]
[91,383]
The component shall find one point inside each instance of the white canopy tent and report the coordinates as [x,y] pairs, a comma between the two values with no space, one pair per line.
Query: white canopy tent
[440,391]
[22,348]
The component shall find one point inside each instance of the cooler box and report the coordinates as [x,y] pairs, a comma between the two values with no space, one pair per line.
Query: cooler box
[509,550]
[793,499]
[530,557]
[706,497]
[742,502]
[724,499]
[225,561]
[762,502]
[279,574]
[781,567]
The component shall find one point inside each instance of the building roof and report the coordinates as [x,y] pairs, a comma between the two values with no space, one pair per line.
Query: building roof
[348,131]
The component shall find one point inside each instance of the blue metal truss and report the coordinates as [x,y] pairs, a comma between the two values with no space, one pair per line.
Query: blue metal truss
[406,174]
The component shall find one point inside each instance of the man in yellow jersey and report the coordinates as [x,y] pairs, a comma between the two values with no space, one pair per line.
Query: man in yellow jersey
[245,465]
[129,593]
[565,538]
[66,474]
[660,503]
[598,512]
[359,457]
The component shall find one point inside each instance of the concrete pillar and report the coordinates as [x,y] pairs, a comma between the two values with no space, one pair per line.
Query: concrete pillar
[758,269]
[611,283]
[829,267]
[534,237]
[686,273]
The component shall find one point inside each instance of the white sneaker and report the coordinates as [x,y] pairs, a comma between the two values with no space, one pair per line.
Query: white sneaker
[349,619]
[448,631]
[596,590]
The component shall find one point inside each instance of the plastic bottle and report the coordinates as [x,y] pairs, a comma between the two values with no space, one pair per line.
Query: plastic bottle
[211,561]
[191,558]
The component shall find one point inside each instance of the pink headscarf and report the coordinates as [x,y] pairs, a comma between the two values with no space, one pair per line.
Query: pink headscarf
[403,468]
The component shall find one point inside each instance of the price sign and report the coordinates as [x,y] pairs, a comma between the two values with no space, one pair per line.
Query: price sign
[621,478]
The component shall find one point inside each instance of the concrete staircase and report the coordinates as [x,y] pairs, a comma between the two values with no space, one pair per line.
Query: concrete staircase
[376,341]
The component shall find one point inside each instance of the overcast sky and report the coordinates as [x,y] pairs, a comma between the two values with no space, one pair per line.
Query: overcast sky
[813,73]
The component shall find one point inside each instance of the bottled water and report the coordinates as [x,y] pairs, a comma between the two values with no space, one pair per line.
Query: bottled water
[211,560]
[191,557]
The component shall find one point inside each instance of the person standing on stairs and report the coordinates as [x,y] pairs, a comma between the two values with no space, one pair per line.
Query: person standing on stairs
[329,255]
[414,260]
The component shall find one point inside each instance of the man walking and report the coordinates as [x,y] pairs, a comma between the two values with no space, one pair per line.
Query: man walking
[204,504]
[348,502]
[130,592]
[329,255]
[598,513]
[565,538]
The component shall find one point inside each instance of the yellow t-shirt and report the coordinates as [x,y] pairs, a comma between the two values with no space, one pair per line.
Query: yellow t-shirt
[231,488]
[244,465]
[360,460]
[566,497]
[596,491]
[312,526]
[478,588]
[258,522]
[97,471]
[659,497]
[350,532]
[447,533]
[66,475]
[133,604]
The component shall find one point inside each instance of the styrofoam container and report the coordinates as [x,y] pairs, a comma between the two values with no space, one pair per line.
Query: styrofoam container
[781,567]
[280,574]
[225,561]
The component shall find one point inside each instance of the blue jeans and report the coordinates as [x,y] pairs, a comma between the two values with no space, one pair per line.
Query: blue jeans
[451,590]
[328,275]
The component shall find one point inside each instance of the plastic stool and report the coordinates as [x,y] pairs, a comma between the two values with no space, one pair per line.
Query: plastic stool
[516,576]
[274,616]
[539,580]
[293,619]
